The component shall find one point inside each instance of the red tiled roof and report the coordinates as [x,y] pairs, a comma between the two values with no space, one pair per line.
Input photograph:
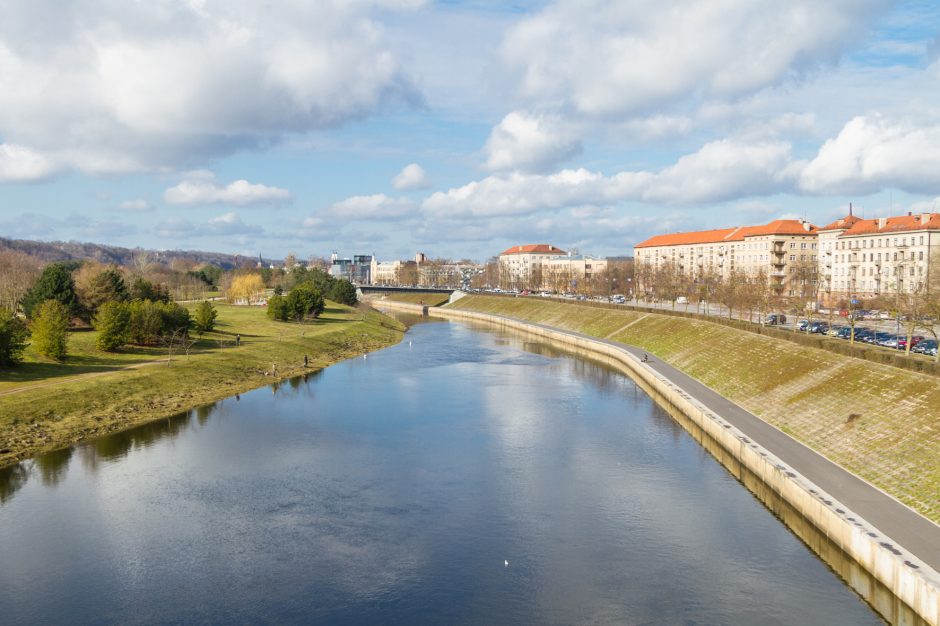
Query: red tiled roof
[842,223]
[722,235]
[533,248]
[903,223]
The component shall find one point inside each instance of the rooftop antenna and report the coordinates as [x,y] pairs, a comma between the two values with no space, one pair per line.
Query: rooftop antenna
[850,209]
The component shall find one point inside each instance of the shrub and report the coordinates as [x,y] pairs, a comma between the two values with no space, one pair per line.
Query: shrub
[146,322]
[143,289]
[204,319]
[50,329]
[113,325]
[277,308]
[13,338]
[175,318]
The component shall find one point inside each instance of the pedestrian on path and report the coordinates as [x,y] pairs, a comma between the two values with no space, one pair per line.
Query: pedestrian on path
[238,340]
[305,361]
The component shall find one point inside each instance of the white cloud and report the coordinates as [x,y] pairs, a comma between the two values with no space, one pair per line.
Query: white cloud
[718,171]
[529,142]
[21,164]
[377,207]
[201,189]
[606,59]
[230,224]
[874,152]
[411,177]
[114,87]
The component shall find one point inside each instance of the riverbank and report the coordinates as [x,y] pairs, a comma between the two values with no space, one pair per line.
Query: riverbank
[45,406]
[879,422]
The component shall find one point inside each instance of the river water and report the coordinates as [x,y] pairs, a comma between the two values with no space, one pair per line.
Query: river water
[462,476]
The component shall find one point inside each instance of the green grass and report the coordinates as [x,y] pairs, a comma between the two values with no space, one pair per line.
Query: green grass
[809,393]
[93,393]
[429,299]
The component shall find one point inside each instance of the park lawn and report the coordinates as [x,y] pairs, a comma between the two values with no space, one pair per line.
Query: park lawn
[59,411]
[429,299]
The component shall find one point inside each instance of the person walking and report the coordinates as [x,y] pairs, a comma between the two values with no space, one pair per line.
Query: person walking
[305,361]
[238,340]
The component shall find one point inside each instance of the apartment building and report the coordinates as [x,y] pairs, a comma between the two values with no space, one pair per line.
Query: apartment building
[784,250]
[867,258]
[568,272]
[523,267]
[385,272]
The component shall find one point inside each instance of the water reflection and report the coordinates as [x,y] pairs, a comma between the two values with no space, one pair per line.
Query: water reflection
[392,489]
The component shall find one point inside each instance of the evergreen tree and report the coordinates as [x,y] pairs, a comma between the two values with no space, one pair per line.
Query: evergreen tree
[343,292]
[206,314]
[13,338]
[143,289]
[106,286]
[277,308]
[304,301]
[50,328]
[113,325]
[55,283]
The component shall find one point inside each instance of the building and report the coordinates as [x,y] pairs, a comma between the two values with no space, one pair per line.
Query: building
[783,250]
[522,267]
[571,272]
[866,259]
[357,270]
[386,272]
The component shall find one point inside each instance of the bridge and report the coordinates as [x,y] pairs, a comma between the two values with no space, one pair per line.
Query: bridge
[366,289]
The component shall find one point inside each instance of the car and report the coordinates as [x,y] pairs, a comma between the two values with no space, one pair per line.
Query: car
[774,319]
[890,342]
[682,300]
[927,347]
[879,338]
[836,331]
[802,324]
[820,328]
[902,342]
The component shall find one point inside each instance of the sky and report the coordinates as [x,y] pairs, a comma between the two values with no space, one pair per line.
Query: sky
[458,128]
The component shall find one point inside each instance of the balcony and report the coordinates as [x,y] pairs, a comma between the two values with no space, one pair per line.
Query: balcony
[778,274]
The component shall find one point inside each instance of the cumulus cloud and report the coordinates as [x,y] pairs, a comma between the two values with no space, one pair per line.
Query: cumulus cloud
[411,177]
[114,87]
[529,142]
[21,164]
[607,58]
[873,152]
[375,207]
[200,188]
[718,171]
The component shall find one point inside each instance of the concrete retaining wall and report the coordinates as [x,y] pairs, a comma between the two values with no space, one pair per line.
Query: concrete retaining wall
[908,590]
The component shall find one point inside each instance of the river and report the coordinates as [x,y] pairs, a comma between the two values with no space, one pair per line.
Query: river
[463,476]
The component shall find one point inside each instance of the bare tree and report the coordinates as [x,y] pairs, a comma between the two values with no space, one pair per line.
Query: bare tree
[18,272]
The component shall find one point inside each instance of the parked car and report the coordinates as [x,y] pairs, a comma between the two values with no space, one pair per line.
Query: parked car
[802,324]
[774,319]
[836,331]
[927,346]
[890,342]
[682,300]
[819,328]
[902,342]
[879,338]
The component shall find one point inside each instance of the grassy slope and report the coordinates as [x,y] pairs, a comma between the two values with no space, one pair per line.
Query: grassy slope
[893,440]
[430,299]
[49,417]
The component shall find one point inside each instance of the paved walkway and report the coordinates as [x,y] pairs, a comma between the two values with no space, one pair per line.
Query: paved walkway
[896,520]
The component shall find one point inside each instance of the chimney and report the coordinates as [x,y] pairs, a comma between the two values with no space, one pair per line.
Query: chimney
[882,221]
[807,226]
[909,213]
[850,209]
[924,218]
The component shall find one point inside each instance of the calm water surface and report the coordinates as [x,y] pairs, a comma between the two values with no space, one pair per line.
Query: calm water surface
[392,489]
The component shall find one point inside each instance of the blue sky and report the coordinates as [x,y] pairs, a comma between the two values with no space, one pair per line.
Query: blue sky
[458,128]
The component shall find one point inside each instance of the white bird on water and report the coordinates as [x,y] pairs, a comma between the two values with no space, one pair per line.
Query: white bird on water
[505,563]
[365,356]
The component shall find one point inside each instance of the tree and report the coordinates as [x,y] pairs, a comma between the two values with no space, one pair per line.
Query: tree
[146,323]
[304,301]
[113,325]
[204,319]
[247,288]
[18,272]
[344,292]
[55,283]
[13,338]
[106,285]
[143,289]
[50,328]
